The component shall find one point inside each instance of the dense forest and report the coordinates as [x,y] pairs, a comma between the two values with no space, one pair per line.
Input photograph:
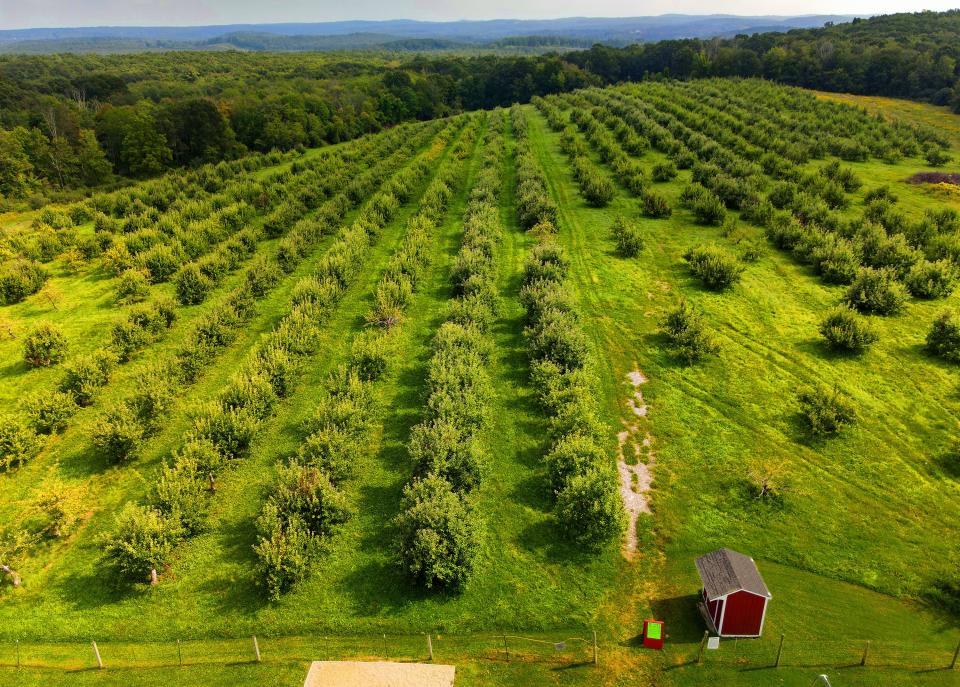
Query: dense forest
[74,121]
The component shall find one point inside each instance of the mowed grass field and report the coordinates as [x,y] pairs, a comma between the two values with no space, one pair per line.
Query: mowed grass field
[870,518]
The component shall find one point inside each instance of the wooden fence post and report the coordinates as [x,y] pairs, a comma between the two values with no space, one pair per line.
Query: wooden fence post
[96,652]
[779,652]
[703,646]
[256,648]
[956,654]
[506,649]
[179,654]
[430,647]
[866,653]
[594,647]
[384,644]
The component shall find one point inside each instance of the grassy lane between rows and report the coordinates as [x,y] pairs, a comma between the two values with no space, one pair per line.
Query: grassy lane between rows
[72,586]
[706,424]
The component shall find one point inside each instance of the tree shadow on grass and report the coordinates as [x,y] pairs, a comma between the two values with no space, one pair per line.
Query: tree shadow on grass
[681,616]
[545,538]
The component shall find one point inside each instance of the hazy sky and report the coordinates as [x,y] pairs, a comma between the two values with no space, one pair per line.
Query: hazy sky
[54,13]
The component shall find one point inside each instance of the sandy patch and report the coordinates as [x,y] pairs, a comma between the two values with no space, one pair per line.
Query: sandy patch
[378,674]
[636,475]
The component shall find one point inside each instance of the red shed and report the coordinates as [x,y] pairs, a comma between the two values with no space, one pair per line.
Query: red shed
[734,597]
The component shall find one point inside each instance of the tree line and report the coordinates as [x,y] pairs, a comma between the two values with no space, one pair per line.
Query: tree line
[72,121]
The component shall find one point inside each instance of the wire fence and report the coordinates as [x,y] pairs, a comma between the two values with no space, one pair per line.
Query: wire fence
[562,648]
[808,652]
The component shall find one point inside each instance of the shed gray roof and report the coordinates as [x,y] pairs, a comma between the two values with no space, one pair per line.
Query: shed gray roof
[724,571]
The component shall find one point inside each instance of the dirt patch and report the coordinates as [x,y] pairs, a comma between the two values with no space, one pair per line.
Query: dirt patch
[636,470]
[935,178]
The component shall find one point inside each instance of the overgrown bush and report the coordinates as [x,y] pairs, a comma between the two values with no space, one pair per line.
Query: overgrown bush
[85,374]
[664,171]
[943,339]
[573,454]
[437,534]
[369,355]
[229,430]
[141,542]
[845,330]
[18,443]
[589,509]
[119,433]
[628,237]
[181,494]
[133,286]
[49,412]
[826,410]
[19,279]
[687,335]
[45,345]
[284,551]
[876,291]
[931,279]
[306,494]
[191,285]
[442,449]
[715,268]
[655,205]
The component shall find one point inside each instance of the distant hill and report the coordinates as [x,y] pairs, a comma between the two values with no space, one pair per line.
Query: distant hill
[401,34]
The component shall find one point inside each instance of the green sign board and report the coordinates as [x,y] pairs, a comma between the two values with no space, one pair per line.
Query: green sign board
[654,631]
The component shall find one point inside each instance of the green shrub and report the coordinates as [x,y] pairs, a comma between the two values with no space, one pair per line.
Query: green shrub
[284,551]
[126,338]
[438,535]
[440,448]
[60,506]
[664,171]
[161,262]
[50,411]
[573,454]
[845,330]
[306,494]
[141,543]
[18,443]
[708,209]
[133,286]
[191,285]
[262,276]
[181,494]
[936,156]
[85,374]
[229,430]
[931,279]
[555,336]
[279,367]
[332,450]
[589,510]
[876,291]
[715,268]
[627,236]
[251,392]
[825,410]
[119,433]
[203,454]
[155,393]
[687,335]
[45,345]
[655,205]
[19,279]
[943,339]
[369,355]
